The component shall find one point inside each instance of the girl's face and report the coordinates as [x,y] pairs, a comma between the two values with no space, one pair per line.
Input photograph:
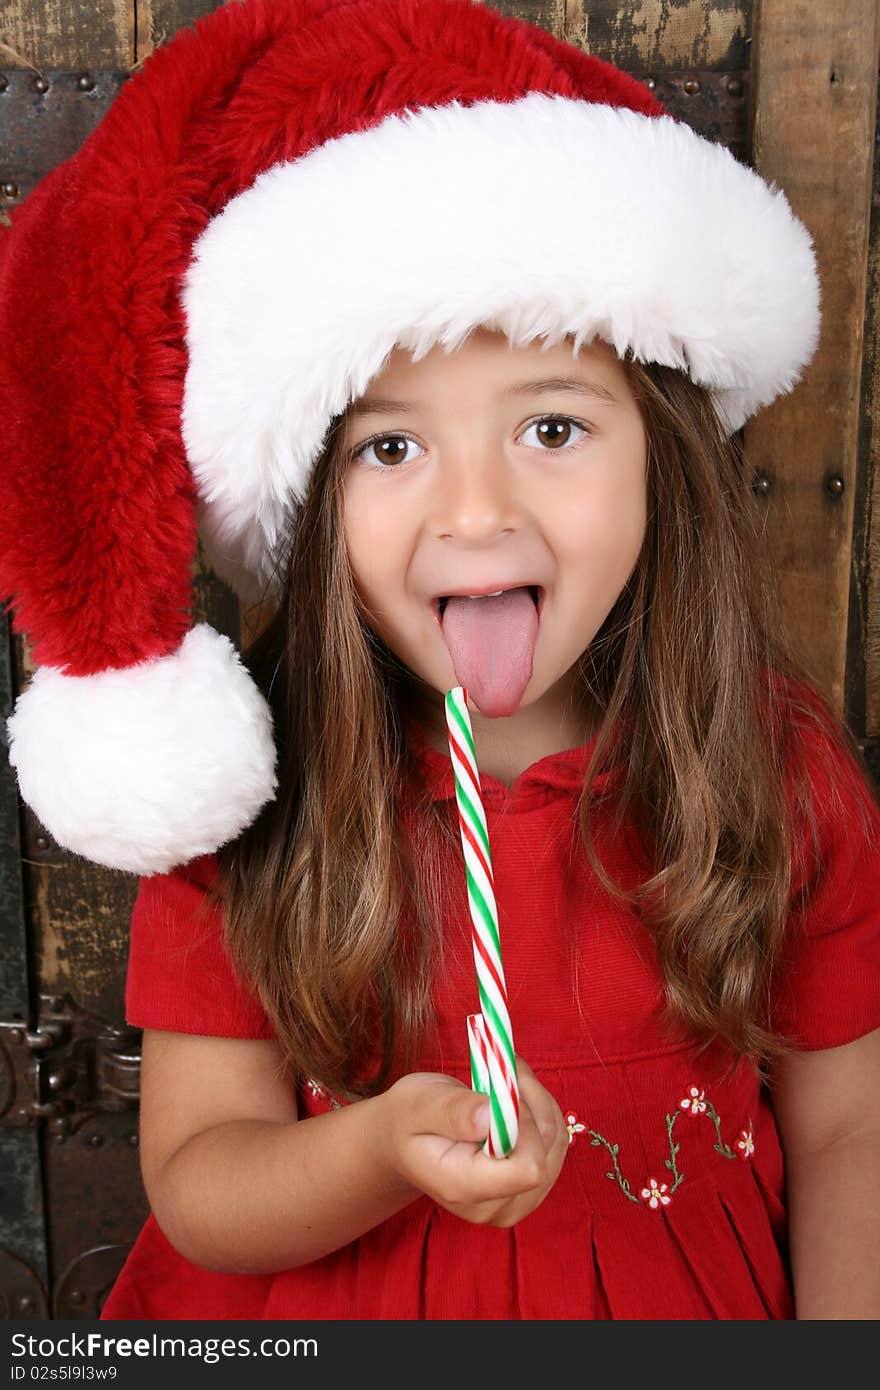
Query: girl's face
[461,485]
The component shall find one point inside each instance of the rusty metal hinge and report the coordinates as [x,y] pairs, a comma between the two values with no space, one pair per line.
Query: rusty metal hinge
[68,1068]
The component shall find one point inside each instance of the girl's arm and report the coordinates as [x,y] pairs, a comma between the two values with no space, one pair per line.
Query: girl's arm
[239,1185]
[228,1170]
[827,1107]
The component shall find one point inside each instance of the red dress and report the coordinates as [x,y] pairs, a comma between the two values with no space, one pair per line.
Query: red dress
[670,1202]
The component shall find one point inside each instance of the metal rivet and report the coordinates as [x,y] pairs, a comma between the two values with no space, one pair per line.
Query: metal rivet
[133,1140]
[24,1305]
[85,82]
[15,1035]
[76,1296]
[40,84]
[42,842]
[834,485]
[692,86]
[10,190]
[734,86]
[762,484]
[94,1141]
[22,1113]
[4,82]
[650,82]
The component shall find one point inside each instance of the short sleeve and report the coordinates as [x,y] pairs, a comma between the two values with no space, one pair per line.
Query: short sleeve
[180,977]
[827,981]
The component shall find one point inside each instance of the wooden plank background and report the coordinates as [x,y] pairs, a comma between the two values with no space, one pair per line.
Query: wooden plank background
[654,34]
[815,86]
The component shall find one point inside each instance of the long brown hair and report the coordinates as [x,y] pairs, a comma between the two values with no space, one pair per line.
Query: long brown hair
[334,916]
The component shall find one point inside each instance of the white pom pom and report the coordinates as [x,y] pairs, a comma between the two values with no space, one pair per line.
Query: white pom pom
[150,766]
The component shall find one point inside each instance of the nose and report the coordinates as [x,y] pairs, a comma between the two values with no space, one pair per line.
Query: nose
[476,494]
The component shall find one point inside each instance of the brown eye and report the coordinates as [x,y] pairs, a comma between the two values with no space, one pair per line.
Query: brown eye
[384,451]
[390,450]
[554,432]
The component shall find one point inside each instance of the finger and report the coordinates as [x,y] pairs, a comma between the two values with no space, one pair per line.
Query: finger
[495,1186]
[537,1100]
[456,1112]
[505,1212]
[529,1085]
[522,1170]
[464,1174]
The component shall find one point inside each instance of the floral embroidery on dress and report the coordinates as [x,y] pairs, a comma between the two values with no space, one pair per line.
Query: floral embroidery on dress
[720,1147]
[655,1194]
[659,1195]
[573,1126]
[746,1143]
[694,1102]
[615,1175]
[320,1092]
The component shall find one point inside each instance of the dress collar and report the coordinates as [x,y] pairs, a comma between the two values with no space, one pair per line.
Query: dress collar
[562,772]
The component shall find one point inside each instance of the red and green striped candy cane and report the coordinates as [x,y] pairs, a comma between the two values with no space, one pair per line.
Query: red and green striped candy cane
[496,1060]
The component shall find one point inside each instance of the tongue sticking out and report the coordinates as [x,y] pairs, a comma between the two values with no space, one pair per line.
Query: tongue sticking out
[492,645]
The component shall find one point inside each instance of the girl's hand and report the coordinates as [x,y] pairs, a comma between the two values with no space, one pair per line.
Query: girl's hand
[431,1138]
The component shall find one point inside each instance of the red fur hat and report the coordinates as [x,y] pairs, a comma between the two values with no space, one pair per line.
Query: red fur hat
[277,199]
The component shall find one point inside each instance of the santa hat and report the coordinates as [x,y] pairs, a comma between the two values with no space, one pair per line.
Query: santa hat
[282,195]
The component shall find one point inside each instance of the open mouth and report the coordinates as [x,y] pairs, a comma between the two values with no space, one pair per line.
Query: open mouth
[537,593]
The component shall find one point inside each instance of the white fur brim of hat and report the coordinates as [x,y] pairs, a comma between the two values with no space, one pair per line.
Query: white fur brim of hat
[149,766]
[542,218]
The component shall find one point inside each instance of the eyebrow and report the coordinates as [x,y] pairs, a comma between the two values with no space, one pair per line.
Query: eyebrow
[578,386]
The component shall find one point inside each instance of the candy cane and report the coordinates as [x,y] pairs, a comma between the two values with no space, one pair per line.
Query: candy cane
[497,1062]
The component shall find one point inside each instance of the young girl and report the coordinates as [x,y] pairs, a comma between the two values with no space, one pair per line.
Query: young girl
[392,408]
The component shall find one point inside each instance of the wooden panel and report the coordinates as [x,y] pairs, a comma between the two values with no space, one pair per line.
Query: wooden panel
[167,16]
[651,36]
[814,81]
[56,34]
[159,20]
[865,611]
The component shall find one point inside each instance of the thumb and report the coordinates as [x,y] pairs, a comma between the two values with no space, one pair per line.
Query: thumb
[467,1116]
